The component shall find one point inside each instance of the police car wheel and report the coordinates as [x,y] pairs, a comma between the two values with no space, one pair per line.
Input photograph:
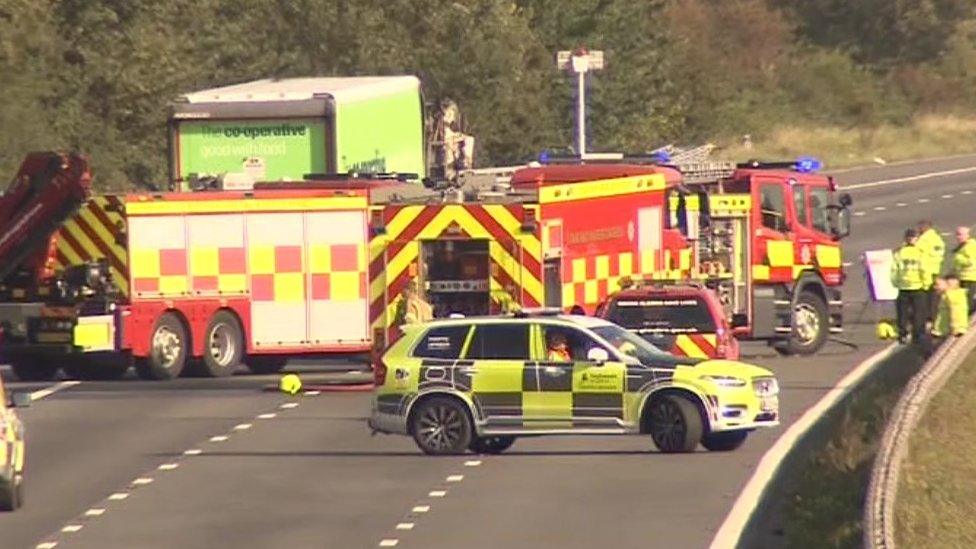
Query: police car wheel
[223,349]
[491,445]
[168,350]
[675,424]
[34,370]
[724,441]
[440,426]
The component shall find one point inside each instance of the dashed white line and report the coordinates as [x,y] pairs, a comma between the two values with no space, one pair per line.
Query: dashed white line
[289,405]
[909,178]
[168,466]
[923,200]
[193,452]
[38,395]
[47,545]
[880,208]
[72,528]
[313,393]
[389,543]
[118,496]
[437,493]
[947,196]
[945,233]
[901,204]
[420,508]
[218,438]
[472,463]
[142,481]
[859,214]
[405,526]
[455,478]
[95,512]
[967,192]
[267,416]
[242,427]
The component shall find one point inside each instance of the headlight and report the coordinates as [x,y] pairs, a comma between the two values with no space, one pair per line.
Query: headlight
[765,386]
[726,381]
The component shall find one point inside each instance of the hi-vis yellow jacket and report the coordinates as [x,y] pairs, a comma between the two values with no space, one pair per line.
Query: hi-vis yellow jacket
[964,261]
[953,314]
[909,270]
[933,253]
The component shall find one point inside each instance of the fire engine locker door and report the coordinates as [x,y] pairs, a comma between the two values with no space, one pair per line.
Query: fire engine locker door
[552,279]
[457,274]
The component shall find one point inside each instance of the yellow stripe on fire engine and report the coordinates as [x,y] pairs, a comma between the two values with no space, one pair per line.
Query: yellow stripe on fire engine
[760,272]
[513,226]
[146,206]
[828,256]
[602,188]
[779,253]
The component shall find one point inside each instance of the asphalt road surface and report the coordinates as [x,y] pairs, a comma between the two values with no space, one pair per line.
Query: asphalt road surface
[213,463]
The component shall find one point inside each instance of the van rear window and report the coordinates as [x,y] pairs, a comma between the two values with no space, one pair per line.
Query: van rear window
[664,316]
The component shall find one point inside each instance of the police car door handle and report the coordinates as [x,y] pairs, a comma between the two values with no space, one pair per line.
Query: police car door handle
[468,370]
[554,370]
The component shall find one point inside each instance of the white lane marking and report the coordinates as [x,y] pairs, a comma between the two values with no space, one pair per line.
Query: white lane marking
[967,192]
[267,416]
[405,526]
[901,204]
[389,543]
[218,438]
[472,463]
[437,493]
[289,405]
[923,200]
[72,528]
[47,545]
[193,452]
[420,508]
[947,196]
[455,478]
[118,496]
[168,466]
[880,208]
[945,233]
[95,512]
[858,214]
[242,427]
[745,505]
[919,177]
[142,481]
[313,393]
[38,395]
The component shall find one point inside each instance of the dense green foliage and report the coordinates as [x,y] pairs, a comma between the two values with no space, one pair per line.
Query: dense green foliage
[97,75]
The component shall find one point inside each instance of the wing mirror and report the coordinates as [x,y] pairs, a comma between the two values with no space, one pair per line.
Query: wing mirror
[598,355]
[20,400]
[845,200]
[739,320]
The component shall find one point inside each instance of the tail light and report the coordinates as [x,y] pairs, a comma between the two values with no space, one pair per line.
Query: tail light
[379,373]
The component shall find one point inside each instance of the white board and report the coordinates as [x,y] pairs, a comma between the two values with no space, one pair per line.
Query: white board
[877,270]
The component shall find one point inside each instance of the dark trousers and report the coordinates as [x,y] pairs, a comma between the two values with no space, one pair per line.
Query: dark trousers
[912,307]
[970,286]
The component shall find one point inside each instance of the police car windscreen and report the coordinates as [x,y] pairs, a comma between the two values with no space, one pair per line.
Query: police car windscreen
[664,316]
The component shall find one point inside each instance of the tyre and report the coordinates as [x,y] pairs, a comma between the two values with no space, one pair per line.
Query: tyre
[724,441]
[675,424]
[168,349]
[810,326]
[266,364]
[223,346]
[491,445]
[440,426]
[34,370]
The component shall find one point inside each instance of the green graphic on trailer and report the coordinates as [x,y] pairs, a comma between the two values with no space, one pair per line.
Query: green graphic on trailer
[381,134]
[288,148]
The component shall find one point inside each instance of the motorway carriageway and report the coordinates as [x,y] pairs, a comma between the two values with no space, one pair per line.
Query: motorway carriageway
[212,463]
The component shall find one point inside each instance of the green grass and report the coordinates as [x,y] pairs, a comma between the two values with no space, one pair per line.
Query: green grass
[936,505]
[927,136]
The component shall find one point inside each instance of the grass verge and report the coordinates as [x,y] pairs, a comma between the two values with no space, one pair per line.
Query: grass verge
[937,487]
[837,147]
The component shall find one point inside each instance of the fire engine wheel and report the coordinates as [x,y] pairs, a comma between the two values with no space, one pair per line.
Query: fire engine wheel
[223,348]
[675,424]
[810,326]
[34,370]
[168,348]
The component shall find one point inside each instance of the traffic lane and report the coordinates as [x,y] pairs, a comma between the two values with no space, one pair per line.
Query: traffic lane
[935,187]
[312,476]
[582,492]
[84,443]
[869,174]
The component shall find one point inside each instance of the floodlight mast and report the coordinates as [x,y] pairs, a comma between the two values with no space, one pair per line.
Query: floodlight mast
[580,61]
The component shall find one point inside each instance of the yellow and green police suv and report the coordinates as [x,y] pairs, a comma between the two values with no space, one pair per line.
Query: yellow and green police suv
[478,383]
[11,450]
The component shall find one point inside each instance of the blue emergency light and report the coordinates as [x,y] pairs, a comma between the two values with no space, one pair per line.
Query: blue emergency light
[661,157]
[807,164]
[544,157]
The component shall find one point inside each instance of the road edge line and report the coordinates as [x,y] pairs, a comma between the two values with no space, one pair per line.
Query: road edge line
[43,393]
[730,532]
[907,179]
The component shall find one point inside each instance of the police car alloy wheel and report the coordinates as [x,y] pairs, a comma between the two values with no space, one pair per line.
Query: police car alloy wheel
[675,424]
[441,426]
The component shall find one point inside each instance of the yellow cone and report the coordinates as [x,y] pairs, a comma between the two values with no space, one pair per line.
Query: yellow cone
[290,384]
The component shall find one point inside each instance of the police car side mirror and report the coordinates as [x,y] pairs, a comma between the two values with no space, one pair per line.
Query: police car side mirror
[20,400]
[598,355]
